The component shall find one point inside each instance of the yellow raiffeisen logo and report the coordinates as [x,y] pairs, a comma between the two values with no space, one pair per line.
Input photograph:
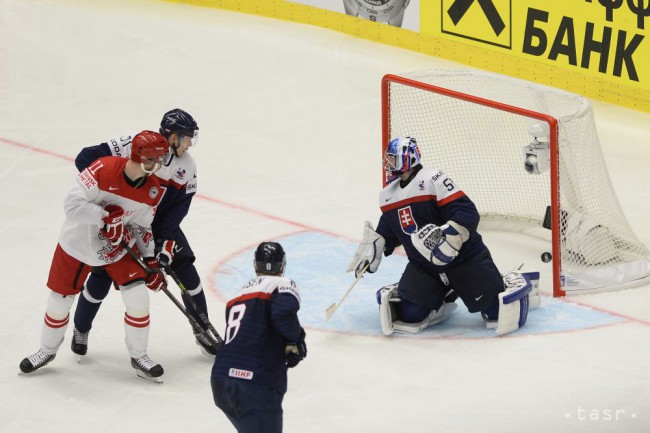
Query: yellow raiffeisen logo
[487,21]
[606,38]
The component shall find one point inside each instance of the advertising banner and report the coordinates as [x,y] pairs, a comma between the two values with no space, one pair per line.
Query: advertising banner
[603,38]
[398,13]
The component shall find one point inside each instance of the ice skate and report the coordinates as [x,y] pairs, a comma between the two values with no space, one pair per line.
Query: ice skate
[147,369]
[79,344]
[36,361]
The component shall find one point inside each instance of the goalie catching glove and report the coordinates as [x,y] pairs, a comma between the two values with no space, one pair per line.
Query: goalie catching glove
[440,245]
[369,251]
[113,229]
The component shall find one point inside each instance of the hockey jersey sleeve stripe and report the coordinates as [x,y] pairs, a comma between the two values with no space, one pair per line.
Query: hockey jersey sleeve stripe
[452,197]
[177,185]
[247,296]
[408,201]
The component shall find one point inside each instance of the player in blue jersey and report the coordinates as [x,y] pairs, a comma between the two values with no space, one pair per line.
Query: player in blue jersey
[263,338]
[179,181]
[426,212]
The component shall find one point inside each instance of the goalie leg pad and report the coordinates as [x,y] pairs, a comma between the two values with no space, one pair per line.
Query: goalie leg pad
[388,298]
[435,317]
[389,304]
[513,303]
[534,297]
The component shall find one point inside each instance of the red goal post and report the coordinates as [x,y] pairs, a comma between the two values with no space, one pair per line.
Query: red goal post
[529,157]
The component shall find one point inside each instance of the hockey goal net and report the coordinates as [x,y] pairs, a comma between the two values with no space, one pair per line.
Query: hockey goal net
[529,157]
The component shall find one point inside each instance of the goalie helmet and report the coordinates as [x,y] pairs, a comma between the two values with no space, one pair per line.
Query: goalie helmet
[180,122]
[150,146]
[270,258]
[402,154]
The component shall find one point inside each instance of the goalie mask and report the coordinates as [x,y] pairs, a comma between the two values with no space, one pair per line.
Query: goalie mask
[402,154]
[270,258]
[148,147]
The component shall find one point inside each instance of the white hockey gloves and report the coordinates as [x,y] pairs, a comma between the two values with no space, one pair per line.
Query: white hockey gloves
[369,251]
[440,245]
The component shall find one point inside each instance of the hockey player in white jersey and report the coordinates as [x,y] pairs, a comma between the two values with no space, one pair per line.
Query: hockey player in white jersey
[179,181]
[426,212]
[112,202]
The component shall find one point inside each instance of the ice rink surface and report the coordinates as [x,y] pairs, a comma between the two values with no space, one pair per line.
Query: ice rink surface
[289,150]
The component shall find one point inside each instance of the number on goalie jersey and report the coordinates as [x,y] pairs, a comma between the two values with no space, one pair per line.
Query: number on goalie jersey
[425,211]
[263,338]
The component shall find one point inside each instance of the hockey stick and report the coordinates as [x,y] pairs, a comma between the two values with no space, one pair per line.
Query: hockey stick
[332,308]
[186,295]
[176,302]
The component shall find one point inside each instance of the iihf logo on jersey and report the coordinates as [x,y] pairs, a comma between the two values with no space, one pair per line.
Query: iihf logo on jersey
[405,215]
[421,185]
[180,173]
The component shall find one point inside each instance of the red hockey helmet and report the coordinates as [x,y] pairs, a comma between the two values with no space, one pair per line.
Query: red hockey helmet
[150,146]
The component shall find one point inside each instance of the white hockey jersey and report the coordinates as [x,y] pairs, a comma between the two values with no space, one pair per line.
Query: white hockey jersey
[101,184]
[180,172]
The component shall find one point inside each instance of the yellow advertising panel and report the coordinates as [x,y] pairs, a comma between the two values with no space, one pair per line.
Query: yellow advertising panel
[598,48]
[605,39]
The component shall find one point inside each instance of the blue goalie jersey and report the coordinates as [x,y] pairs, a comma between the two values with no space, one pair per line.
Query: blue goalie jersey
[261,319]
[430,197]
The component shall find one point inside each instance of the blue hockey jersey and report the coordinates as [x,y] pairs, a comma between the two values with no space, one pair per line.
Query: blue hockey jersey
[261,319]
[429,197]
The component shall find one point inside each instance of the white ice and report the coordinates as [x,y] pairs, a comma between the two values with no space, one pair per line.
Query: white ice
[289,149]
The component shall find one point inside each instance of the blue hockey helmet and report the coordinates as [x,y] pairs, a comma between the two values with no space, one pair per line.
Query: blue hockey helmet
[180,122]
[270,258]
[402,154]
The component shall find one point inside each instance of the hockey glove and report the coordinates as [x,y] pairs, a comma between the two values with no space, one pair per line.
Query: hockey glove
[155,280]
[113,229]
[165,254]
[296,352]
[440,245]
[369,251]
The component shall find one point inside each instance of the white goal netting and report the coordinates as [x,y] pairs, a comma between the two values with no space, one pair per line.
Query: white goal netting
[528,155]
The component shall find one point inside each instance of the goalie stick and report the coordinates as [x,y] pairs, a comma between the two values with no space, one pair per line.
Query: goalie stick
[332,308]
[186,295]
[176,302]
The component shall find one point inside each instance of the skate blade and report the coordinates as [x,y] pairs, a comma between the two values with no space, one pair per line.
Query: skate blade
[78,358]
[205,352]
[145,376]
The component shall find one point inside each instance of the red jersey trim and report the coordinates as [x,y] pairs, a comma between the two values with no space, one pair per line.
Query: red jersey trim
[408,201]
[451,198]
[109,174]
[422,198]
[247,296]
